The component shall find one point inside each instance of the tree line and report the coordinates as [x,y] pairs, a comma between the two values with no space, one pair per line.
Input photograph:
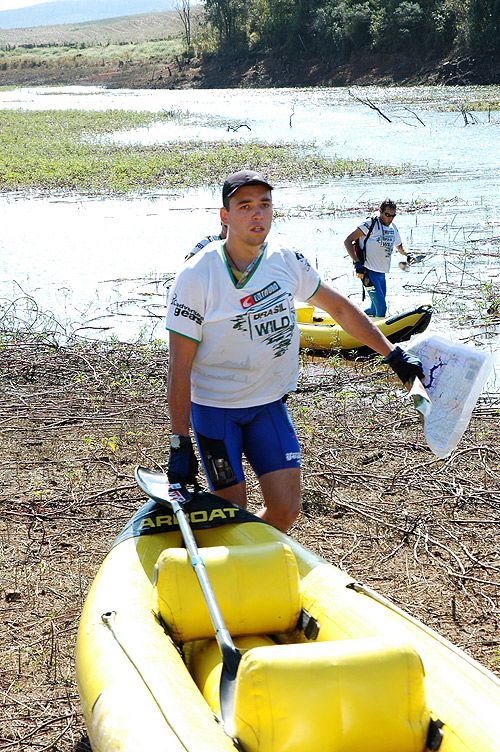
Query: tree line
[336,30]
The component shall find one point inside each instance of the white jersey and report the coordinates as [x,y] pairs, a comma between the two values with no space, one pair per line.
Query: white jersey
[380,245]
[248,337]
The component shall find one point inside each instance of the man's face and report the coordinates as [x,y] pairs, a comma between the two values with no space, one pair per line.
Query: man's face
[387,215]
[250,214]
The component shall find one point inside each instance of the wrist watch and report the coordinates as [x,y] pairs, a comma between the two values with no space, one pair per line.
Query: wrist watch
[177,441]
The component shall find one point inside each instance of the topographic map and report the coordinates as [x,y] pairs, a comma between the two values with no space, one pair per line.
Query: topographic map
[454,378]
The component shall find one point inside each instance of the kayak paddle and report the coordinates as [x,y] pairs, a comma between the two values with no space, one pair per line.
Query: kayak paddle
[176,498]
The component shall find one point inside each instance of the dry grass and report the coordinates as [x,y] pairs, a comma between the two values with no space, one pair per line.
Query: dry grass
[75,420]
[144,27]
[140,51]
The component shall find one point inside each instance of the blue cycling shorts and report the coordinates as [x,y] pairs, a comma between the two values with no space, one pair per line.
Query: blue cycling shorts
[265,435]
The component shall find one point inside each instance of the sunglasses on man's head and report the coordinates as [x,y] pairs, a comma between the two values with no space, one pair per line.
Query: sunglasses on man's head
[386,214]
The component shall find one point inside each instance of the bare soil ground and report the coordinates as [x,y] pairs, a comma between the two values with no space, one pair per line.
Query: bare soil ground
[263,72]
[75,420]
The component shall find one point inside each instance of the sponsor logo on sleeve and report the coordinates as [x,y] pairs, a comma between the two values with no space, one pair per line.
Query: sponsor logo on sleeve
[184,311]
[300,257]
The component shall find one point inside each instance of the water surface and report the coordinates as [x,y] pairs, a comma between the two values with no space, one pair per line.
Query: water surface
[102,262]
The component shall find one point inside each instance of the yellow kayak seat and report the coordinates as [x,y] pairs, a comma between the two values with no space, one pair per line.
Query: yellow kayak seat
[307,696]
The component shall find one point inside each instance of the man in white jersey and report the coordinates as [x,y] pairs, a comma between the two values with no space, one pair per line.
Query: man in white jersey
[374,240]
[233,354]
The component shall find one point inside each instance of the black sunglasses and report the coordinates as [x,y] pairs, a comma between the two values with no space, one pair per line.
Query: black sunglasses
[386,214]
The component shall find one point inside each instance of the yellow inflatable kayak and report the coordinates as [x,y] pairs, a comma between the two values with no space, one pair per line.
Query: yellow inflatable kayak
[327,665]
[318,331]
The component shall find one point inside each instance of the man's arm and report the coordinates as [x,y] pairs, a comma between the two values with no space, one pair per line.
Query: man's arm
[181,355]
[401,249]
[349,243]
[356,323]
[351,318]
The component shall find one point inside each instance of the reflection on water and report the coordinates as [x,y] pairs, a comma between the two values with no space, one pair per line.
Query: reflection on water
[103,263]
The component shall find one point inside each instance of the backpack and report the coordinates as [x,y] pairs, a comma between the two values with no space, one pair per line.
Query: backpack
[361,251]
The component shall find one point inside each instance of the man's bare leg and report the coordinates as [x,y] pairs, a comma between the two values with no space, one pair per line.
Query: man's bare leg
[237,494]
[281,492]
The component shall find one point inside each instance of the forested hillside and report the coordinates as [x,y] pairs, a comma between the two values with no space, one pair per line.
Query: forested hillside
[227,43]
[338,29]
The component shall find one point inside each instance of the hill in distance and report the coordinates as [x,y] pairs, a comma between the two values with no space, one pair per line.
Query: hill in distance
[144,27]
[78,11]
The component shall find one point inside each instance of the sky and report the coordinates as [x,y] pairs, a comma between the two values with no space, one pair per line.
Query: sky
[11,4]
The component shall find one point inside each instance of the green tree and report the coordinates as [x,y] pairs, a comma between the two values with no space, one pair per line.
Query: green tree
[446,18]
[344,26]
[418,27]
[484,25]
[405,27]
[183,9]
[337,29]
[287,25]
[230,19]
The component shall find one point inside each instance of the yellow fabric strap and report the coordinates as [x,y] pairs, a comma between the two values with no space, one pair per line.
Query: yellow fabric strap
[236,274]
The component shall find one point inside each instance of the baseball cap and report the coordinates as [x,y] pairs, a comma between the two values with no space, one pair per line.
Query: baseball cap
[238,179]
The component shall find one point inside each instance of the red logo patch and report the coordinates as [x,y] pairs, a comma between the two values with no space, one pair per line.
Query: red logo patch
[247,302]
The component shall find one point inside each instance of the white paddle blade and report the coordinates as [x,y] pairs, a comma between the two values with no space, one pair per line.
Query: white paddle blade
[156,486]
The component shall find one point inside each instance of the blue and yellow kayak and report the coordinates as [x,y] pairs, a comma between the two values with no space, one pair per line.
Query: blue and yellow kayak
[318,331]
[328,665]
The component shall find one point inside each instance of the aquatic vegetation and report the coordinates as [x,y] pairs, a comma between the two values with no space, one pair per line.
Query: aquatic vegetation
[470,105]
[61,150]
[489,298]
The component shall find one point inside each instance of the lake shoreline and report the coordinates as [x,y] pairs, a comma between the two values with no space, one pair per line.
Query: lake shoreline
[260,72]
[364,70]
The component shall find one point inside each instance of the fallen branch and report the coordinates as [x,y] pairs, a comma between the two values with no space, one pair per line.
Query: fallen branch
[370,104]
[415,115]
[237,127]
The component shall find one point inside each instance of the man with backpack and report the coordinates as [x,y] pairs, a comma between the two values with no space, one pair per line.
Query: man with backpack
[370,246]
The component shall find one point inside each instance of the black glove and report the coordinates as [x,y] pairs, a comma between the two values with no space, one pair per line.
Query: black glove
[404,364]
[182,463]
[410,259]
[360,269]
